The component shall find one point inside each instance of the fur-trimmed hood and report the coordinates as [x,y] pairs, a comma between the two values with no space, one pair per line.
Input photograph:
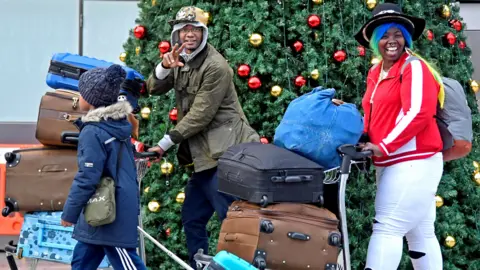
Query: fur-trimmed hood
[112,119]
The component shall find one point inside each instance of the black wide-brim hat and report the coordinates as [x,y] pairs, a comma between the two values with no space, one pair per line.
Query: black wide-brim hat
[389,13]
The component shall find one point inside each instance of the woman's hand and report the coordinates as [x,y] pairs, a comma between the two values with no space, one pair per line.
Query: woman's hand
[373,147]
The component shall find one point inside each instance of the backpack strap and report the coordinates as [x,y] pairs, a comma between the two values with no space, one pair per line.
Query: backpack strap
[408,61]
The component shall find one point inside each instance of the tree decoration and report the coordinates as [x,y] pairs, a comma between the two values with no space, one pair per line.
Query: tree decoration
[474,85]
[168,232]
[243,70]
[298,46]
[254,82]
[371,4]
[317,2]
[444,11]
[375,61]
[139,31]
[313,21]
[154,206]
[300,81]
[276,91]
[146,190]
[315,74]
[450,241]
[173,114]
[430,35]
[164,46]
[264,140]
[361,50]
[154,2]
[457,25]
[180,197]
[123,56]
[145,112]
[450,38]
[137,50]
[476,177]
[438,201]
[208,16]
[462,45]
[340,56]
[166,168]
[256,39]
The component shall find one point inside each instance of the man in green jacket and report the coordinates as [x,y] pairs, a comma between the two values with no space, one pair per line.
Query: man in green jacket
[210,119]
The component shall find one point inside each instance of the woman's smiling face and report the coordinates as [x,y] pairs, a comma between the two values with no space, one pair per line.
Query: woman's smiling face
[392,44]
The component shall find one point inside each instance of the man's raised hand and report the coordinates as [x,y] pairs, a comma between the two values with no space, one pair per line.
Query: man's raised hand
[171,59]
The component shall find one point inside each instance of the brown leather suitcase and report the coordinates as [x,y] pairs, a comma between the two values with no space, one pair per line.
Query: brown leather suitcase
[39,179]
[58,110]
[282,236]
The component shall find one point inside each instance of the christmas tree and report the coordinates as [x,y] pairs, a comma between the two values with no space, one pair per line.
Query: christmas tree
[279,50]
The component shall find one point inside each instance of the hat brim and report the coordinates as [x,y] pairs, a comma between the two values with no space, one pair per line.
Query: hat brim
[414,26]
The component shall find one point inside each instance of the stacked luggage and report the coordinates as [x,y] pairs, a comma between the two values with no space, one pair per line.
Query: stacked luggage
[38,179]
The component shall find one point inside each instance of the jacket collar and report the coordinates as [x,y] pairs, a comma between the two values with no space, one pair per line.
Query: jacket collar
[115,111]
[197,61]
[394,71]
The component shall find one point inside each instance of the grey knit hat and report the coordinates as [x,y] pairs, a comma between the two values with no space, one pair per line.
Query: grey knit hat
[101,86]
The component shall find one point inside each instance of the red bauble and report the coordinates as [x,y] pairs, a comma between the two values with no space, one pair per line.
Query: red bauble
[462,45]
[450,38]
[139,31]
[243,70]
[457,25]
[361,50]
[298,45]
[340,55]
[254,82]
[164,46]
[168,232]
[263,140]
[313,20]
[430,35]
[300,81]
[173,114]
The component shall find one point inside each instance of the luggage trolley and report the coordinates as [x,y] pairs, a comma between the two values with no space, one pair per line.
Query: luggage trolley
[142,163]
[351,155]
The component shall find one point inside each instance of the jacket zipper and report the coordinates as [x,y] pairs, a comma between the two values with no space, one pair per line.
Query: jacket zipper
[284,214]
[74,99]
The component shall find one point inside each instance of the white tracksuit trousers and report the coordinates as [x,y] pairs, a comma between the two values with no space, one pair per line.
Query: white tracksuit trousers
[405,206]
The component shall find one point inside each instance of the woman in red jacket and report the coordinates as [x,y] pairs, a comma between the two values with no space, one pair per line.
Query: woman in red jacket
[399,105]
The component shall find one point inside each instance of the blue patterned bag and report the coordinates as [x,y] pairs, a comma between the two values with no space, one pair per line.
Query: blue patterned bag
[314,127]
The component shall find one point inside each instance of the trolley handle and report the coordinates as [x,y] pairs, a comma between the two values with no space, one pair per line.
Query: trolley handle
[146,154]
[351,153]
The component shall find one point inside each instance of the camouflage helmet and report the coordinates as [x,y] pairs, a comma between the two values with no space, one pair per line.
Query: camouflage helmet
[190,14]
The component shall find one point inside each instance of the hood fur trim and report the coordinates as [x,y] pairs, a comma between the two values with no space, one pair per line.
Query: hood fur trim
[115,111]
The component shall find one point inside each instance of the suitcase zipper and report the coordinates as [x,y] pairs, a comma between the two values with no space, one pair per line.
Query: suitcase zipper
[285,214]
[74,99]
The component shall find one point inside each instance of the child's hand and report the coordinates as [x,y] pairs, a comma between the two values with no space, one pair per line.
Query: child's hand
[66,223]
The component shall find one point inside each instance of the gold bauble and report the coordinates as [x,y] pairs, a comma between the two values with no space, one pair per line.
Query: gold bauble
[208,16]
[137,50]
[276,91]
[166,168]
[154,2]
[450,242]
[154,206]
[371,4]
[474,85]
[256,39]
[445,12]
[180,197]
[375,61]
[315,74]
[476,165]
[146,190]
[123,56]
[318,2]
[316,35]
[438,201]
[476,178]
[145,112]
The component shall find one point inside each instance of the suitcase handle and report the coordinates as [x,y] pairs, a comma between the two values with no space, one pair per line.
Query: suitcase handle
[299,236]
[292,179]
[42,226]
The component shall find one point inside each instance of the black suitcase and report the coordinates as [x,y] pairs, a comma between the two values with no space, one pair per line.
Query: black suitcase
[265,173]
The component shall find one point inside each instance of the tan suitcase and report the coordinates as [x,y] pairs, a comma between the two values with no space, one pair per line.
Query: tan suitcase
[58,110]
[282,236]
[39,179]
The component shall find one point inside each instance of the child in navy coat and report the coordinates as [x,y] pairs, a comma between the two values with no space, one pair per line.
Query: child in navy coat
[104,136]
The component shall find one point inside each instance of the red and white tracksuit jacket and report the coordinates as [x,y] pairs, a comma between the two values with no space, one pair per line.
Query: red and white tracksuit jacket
[399,115]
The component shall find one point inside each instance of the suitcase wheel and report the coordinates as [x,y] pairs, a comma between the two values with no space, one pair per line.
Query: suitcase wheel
[6,211]
[20,253]
[264,201]
[260,263]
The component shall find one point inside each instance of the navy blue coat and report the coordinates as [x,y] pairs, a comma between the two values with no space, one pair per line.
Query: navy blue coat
[101,132]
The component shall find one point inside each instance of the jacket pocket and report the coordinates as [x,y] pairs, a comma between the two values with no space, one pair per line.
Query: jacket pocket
[221,138]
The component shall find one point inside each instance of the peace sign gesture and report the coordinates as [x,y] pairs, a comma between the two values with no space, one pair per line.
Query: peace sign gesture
[171,59]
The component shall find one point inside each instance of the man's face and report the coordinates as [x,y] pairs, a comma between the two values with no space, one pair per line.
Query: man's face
[192,37]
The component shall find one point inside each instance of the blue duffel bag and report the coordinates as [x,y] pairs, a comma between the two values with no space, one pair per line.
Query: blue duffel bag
[314,127]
